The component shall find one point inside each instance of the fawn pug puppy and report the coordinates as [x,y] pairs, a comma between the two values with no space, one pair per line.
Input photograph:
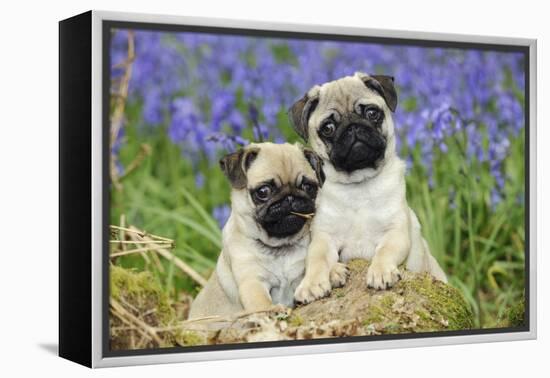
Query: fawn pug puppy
[265,240]
[362,210]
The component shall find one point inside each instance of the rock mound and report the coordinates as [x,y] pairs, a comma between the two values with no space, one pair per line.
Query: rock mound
[418,303]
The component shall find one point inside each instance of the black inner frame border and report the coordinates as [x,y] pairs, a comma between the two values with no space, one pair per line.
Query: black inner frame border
[108,25]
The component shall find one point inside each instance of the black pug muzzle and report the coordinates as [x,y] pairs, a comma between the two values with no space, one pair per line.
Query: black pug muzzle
[278,220]
[357,146]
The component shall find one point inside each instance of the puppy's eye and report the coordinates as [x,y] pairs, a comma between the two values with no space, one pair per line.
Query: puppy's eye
[308,188]
[328,129]
[372,114]
[263,192]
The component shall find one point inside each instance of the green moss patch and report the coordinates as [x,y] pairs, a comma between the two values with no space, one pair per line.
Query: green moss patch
[513,316]
[516,314]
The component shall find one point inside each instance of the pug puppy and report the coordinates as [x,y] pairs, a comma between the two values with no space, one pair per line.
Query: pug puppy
[362,210]
[265,240]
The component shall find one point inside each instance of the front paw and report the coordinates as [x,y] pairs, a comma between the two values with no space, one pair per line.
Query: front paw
[312,288]
[339,275]
[382,275]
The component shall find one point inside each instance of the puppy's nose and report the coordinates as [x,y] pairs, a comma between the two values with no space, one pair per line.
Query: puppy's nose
[290,199]
[352,129]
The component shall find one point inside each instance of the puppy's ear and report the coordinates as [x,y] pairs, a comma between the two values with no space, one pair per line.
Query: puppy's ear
[235,165]
[300,112]
[384,86]
[316,163]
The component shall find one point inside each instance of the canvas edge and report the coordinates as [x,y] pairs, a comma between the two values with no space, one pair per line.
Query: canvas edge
[97,190]
[74,150]
[533,188]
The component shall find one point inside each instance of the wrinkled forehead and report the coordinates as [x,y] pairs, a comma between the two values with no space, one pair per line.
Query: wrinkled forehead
[285,164]
[344,96]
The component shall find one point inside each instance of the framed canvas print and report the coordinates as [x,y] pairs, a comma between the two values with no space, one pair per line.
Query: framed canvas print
[232,189]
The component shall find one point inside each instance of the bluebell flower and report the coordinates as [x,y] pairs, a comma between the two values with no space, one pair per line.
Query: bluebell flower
[221,214]
[496,198]
[185,119]
[236,120]
[223,103]
[152,107]
[210,90]
[199,180]
[261,132]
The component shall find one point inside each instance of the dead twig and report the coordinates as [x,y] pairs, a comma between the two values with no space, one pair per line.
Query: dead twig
[306,216]
[120,100]
[144,151]
[129,252]
[119,105]
[152,249]
[140,242]
[121,233]
[140,233]
[161,250]
[128,318]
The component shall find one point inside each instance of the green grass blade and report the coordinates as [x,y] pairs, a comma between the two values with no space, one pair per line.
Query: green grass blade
[208,219]
[214,237]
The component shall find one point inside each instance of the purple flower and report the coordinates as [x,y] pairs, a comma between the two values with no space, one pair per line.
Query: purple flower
[185,119]
[261,132]
[152,107]
[199,180]
[236,121]
[496,198]
[223,103]
[221,214]
[211,91]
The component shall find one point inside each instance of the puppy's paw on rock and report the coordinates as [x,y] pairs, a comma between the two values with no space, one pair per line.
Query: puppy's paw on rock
[382,276]
[311,289]
[339,275]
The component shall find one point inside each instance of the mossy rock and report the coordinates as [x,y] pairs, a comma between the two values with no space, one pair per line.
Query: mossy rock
[514,316]
[141,295]
[417,303]
[142,291]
